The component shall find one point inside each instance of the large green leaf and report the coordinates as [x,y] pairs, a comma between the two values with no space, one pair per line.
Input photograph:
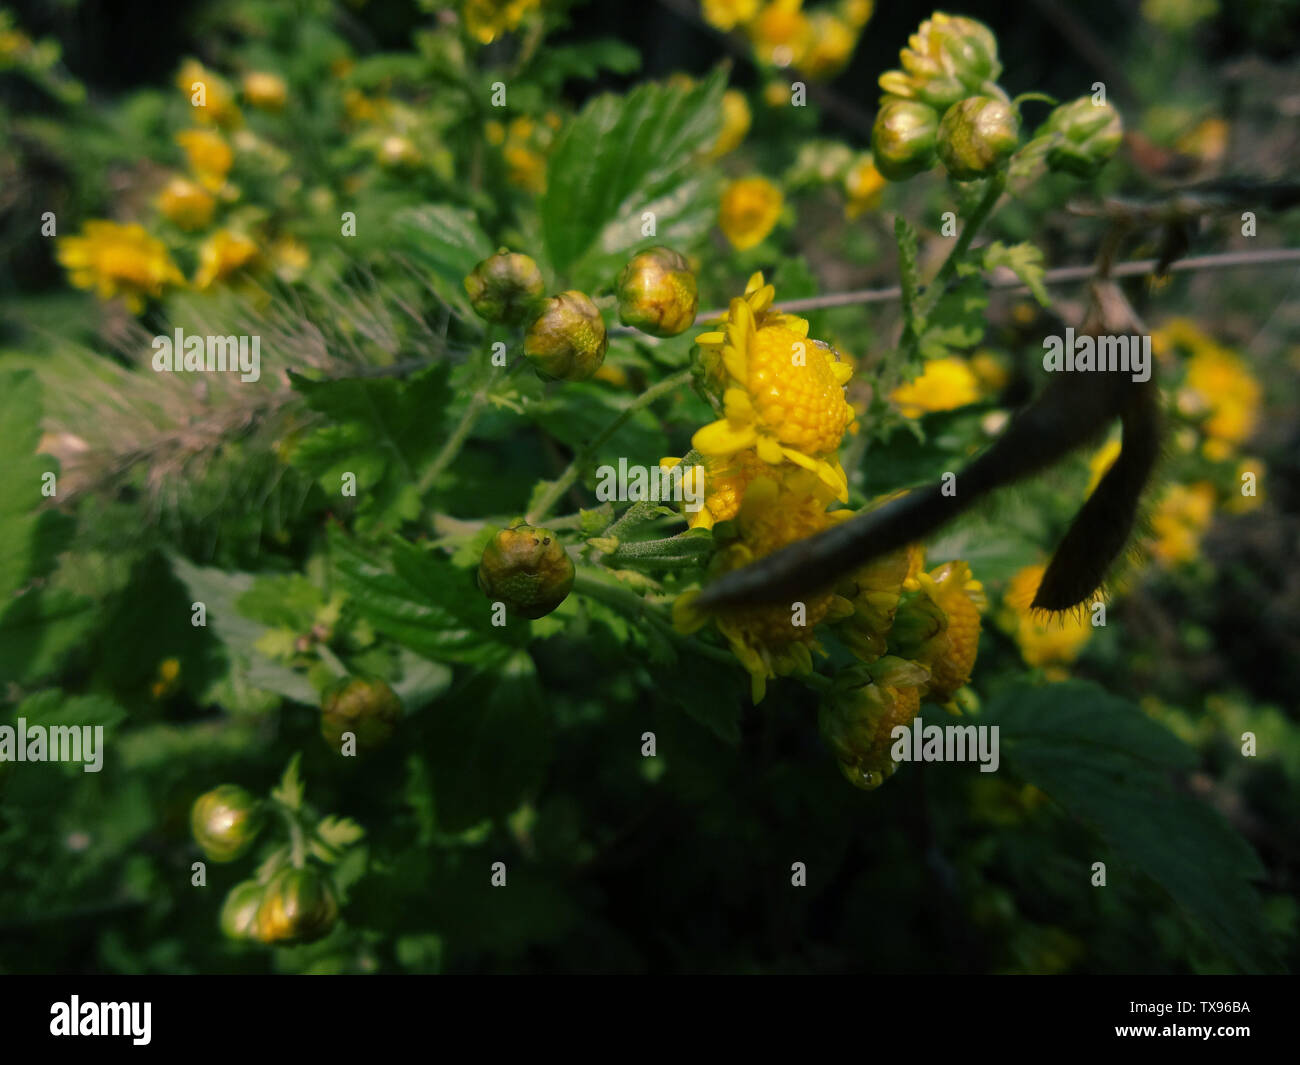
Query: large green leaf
[37,629]
[621,157]
[422,601]
[382,430]
[1110,765]
[447,242]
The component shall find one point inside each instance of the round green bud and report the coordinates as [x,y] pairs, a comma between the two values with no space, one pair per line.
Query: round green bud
[298,906]
[527,569]
[505,287]
[657,293]
[566,339]
[976,136]
[365,706]
[1084,137]
[239,911]
[902,140]
[225,822]
[948,58]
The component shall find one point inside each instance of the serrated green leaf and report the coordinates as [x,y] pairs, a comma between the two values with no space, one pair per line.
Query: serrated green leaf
[291,788]
[38,628]
[1109,764]
[1024,260]
[339,832]
[619,158]
[447,242]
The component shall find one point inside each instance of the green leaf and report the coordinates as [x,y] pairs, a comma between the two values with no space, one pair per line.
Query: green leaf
[1024,260]
[958,321]
[619,158]
[1109,764]
[382,430]
[30,538]
[339,832]
[709,691]
[288,601]
[422,601]
[557,63]
[447,242]
[39,628]
[291,788]
[490,743]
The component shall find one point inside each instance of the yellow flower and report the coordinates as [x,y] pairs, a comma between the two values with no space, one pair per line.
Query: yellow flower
[118,260]
[955,591]
[990,370]
[362,108]
[774,640]
[1220,383]
[1179,520]
[221,255]
[736,118]
[863,184]
[725,481]
[857,13]
[1052,641]
[750,209]
[946,384]
[875,591]
[728,14]
[486,20]
[290,258]
[781,33]
[784,395]
[397,151]
[208,94]
[209,156]
[832,43]
[186,203]
[264,90]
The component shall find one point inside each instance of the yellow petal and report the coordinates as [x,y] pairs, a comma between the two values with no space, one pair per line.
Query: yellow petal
[739,407]
[769,450]
[719,438]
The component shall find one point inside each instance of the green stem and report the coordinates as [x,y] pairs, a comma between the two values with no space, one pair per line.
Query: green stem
[566,480]
[447,454]
[930,298]
[297,838]
[332,660]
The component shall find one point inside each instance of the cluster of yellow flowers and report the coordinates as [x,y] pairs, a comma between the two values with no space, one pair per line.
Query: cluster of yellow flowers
[818,43]
[524,144]
[116,259]
[486,20]
[771,468]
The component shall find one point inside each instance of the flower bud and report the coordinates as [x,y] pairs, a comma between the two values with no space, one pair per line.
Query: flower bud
[859,714]
[657,294]
[902,140]
[1084,136]
[976,135]
[948,58]
[566,339]
[298,906]
[239,911]
[225,822]
[505,287]
[527,569]
[364,706]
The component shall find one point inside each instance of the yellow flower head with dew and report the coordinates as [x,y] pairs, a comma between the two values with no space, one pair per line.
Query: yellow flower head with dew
[186,203]
[749,211]
[1179,520]
[221,255]
[265,91]
[118,260]
[864,186]
[486,20]
[208,155]
[945,384]
[1052,641]
[960,596]
[208,93]
[736,119]
[728,14]
[784,397]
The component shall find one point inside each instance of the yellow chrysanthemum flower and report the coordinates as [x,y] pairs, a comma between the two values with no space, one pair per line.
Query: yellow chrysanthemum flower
[774,640]
[1051,641]
[728,14]
[946,384]
[749,211]
[186,203]
[857,13]
[781,33]
[831,45]
[209,94]
[290,258]
[118,260]
[784,396]
[1220,383]
[486,20]
[864,185]
[208,155]
[1179,520]
[725,481]
[221,255]
[736,119]
[265,90]
[960,596]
